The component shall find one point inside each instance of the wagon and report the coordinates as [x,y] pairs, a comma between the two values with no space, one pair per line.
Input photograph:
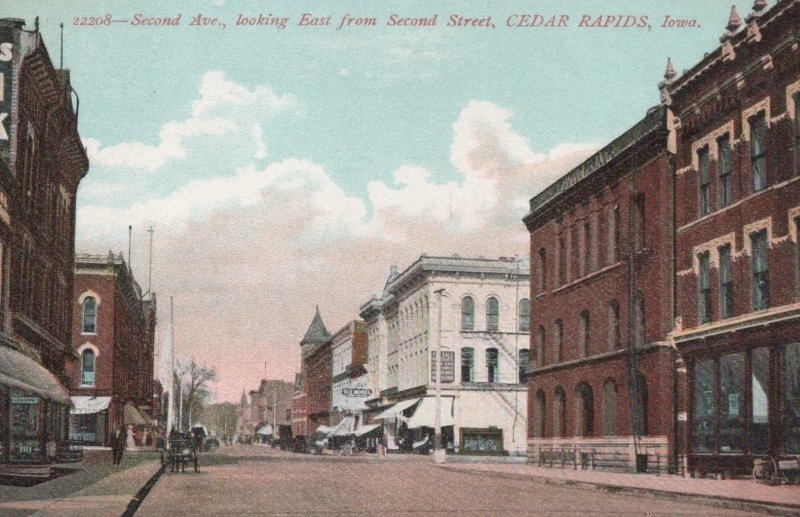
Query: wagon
[179,453]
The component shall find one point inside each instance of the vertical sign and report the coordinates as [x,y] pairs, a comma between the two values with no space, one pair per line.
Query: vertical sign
[6,71]
[448,367]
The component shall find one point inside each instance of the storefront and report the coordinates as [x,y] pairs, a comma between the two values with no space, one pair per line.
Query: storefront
[33,415]
[89,419]
[744,403]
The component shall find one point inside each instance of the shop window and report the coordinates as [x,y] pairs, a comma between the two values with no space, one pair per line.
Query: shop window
[613,326]
[525,315]
[584,410]
[492,365]
[725,168]
[26,427]
[609,408]
[758,151]
[87,368]
[704,287]
[467,364]
[538,414]
[759,425]
[760,270]
[524,363]
[584,347]
[540,344]
[703,407]
[725,282]
[791,399]
[560,413]
[492,315]
[467,313]
[89,315]
[731,403]
[704,178]
[558,342]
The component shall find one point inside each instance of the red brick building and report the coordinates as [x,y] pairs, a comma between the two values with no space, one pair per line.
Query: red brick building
[600,385]
[737,116]
[112,381]
[312,406]
[42,161]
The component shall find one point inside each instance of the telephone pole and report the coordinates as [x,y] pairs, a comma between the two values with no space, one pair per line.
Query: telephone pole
[438,452]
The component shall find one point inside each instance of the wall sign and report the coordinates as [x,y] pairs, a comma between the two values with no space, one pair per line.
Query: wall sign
[448,366]
[6,80]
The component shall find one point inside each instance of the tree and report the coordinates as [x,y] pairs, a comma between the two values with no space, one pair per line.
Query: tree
[195,380]
[221,418]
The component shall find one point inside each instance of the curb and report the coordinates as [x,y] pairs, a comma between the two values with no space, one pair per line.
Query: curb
[136,500]
[730,503]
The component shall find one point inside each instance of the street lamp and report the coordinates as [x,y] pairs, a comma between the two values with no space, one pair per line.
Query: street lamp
[438,451]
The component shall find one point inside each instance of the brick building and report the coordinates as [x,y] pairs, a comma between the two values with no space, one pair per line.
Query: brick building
[271,407]
[42,161]
[349,383]
[313,408]
[737,116]
[600,379]
[112,381]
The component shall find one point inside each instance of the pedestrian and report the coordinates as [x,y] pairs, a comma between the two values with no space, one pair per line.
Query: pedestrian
[118,444]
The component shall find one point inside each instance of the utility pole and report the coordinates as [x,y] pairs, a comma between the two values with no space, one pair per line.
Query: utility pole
[170,381]
[438,452]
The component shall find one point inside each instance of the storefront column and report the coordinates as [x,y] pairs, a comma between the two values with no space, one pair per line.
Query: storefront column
[681,444]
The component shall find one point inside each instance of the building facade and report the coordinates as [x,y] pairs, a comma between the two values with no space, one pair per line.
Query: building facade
[313,408]
[271,407]
[111,383]
[42,161]
[350,387]
[485,321]
[737,177]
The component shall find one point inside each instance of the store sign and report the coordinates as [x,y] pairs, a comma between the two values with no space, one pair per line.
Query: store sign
[448,367]
[356,392]
[351,394]
[24,400]
[6,79]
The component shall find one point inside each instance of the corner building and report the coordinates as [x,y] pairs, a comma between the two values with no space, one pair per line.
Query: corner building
[600,384]
[737,114]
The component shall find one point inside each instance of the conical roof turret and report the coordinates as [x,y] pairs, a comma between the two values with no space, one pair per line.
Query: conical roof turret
[316,333]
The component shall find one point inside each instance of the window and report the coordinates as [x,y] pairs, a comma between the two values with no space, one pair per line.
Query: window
[613,326]
[584,349]
[731,402]
[638,222]
[758,151]
[467,313]
[540,343]
[704,179]
[538,412]
[558,342]
[587,243]
[541,280]
[492,314]
[791,399]
[87,368]
[759,393]
[703,407]
[492,370]
[524,364]
[467,364]
[609,408]
[760,271]
[704,288]
[584,410]
[89,315]
[525,315]
[564,260]
[614,248]
[725,168]
[725,282]
[560,413]
[288,414]
[638,319]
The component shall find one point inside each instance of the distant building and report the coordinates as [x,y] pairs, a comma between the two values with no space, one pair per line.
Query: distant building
[112,382]
[350,385]
[315,402]
[244,424]
[485,320]
[42,161]
[271,407]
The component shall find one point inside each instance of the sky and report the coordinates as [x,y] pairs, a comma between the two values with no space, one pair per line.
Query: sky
[283,169]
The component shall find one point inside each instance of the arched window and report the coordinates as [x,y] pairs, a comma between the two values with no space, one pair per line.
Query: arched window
[640,424]
[525,315]
[585,336]
[540,342]
[558,342]
[560,413]
[467,313]
[87,368]
[89,315]
[524,363]
[492,365]
[467,364]
[584,410]
[538,414]
[609,408]
[492,315]
[613,326]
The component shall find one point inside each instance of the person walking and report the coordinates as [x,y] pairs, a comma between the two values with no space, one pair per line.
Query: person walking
[118,444]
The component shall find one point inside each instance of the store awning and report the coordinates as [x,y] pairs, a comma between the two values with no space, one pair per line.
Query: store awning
[364,429]
[425,413]
[88,405]
[20,371]
[324,429]
[395,410]
[131,416]
[345,427]
[265,430]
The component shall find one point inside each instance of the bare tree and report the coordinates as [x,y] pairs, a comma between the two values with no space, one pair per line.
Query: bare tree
[195,380]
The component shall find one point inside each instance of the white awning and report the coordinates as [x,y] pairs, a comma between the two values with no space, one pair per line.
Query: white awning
[364,429]
[265,430]
[131,416]
[425,413]
[88,405]
[20,371]
[324,429]
[395,410]
[345,427]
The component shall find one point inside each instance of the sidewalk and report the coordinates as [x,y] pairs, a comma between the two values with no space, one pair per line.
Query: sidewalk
[98,490]
[736,494]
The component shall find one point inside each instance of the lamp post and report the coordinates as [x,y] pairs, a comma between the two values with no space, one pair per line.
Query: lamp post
[438,451]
